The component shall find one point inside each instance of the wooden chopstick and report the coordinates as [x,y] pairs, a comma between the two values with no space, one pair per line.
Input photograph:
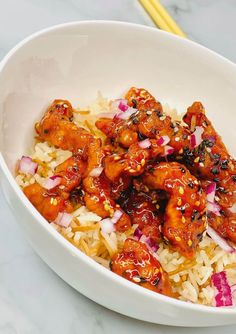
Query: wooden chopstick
[161,17]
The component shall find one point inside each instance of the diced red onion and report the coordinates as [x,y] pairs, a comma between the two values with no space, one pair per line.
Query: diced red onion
[221,242]
[233,208]
[63,219]
[96,172]
[168,150]
[119,105]
[27,166]
[117,215]
[196,137]
[210,192]
[138,233]
[52,182]
[107,225]
[152,245]
[214,208]
[144,143]
[126,114]
[123,106]
[164,140]
[223,296]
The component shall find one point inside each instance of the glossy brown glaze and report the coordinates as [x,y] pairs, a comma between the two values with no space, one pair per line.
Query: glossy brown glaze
[48,202]
[138,265]
[57,128]
[184,220]
[144,210]
[163,193]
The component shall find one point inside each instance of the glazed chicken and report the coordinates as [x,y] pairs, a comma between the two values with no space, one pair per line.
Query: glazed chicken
[133,162]
[184,221]
[209,160]
[151,169]
[58,128]
[50,202]
[138,265]
[144,209]
[147,121]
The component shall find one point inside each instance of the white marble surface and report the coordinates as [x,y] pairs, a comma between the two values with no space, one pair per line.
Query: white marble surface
[33,299]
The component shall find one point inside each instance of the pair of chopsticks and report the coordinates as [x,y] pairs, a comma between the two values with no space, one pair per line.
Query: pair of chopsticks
[161,17]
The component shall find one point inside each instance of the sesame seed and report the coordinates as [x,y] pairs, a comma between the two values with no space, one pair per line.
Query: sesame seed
[107,207]
[138,168]
[154,202]
[208,149]
[190,243]
[116,158]
[197,159]
[177,139]
[162,118]
[143,162]
[157,206]
[148,112]
[179,202]
[181,190]
[136,279]
[201,164]
[132,170]
[181,151]
[51,200]
[176,129]
[183,219]
[54,202]
[197,203]
[177,238]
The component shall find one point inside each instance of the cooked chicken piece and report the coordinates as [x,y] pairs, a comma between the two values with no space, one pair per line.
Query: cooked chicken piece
[144,210]
[211,160]
[71,172]
[138,265]
[184,221]
[57,128]
[148,121]
[48,202]
[225,224]
[98,189]
[133,162]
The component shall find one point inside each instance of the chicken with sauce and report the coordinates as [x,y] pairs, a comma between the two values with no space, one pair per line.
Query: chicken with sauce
[154,171]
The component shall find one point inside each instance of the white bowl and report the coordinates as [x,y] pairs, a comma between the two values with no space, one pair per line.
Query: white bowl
[74,61]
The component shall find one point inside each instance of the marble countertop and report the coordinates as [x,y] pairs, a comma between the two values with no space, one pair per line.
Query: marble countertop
[33,299]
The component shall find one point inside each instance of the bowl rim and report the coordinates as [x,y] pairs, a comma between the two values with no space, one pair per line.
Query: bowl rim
[43,222]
